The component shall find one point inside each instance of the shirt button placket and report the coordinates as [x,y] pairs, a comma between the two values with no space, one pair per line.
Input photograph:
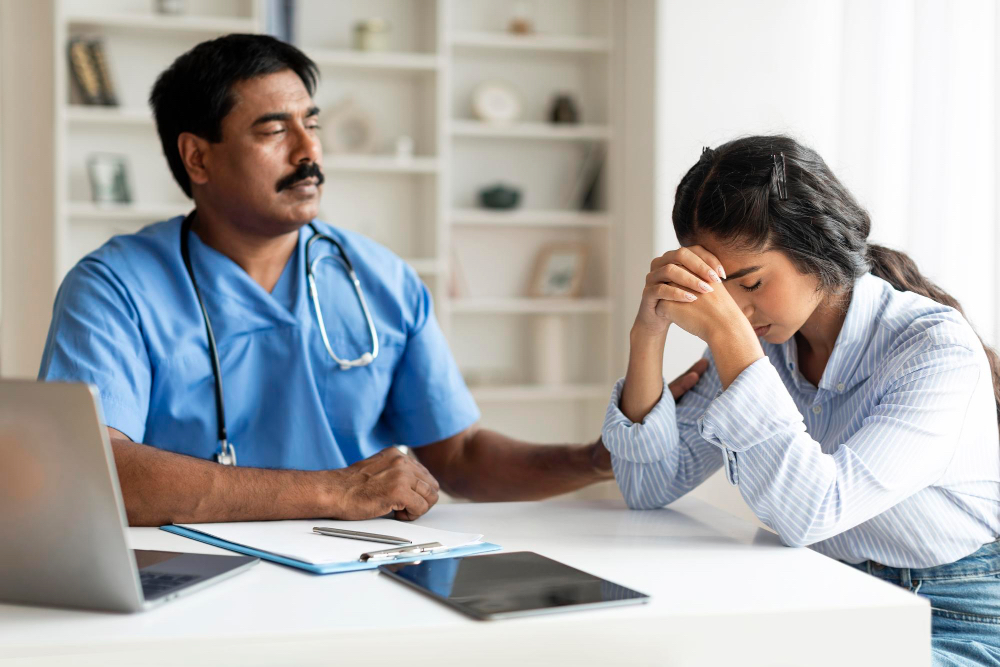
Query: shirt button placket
[732,474]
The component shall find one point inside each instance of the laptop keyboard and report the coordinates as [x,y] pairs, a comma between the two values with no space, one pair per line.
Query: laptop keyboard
[157,584]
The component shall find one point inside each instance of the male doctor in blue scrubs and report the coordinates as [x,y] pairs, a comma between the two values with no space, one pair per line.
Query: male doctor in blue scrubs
[312,437]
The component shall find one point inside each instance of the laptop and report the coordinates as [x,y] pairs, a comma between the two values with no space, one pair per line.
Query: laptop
[62,518]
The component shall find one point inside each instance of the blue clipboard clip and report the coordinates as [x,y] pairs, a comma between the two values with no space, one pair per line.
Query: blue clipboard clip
[403,551]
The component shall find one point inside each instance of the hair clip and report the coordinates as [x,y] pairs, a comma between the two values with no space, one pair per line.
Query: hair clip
[705,149]
[779,172]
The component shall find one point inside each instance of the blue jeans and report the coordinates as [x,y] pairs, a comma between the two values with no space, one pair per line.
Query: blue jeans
[965,605]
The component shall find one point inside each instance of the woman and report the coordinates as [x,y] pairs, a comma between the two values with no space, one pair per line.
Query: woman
[846,395]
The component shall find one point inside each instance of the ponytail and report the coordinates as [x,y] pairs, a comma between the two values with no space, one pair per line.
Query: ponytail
[900,271]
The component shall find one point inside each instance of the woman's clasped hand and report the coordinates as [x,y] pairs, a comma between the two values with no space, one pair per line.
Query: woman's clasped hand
[685,287]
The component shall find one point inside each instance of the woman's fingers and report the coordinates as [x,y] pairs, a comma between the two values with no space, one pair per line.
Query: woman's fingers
[693,262]
[678,275]
[695,259]
[709,259]
[664,292]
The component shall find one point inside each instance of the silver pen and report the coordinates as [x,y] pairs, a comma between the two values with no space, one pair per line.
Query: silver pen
[358,535]
[413,550]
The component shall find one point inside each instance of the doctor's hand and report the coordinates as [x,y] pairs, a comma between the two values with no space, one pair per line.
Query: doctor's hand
[389,481]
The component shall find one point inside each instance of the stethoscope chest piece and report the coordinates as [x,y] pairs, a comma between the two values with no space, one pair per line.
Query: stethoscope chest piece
[226,454]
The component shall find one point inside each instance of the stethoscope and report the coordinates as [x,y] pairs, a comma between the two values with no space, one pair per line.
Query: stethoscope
[227,450]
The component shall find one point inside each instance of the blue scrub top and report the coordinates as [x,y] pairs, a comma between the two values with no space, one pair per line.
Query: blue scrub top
[126,320]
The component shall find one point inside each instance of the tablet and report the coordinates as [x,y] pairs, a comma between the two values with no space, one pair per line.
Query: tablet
[507,585]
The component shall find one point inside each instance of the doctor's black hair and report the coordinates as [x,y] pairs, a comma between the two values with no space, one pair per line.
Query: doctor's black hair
[732,194]
[194,94]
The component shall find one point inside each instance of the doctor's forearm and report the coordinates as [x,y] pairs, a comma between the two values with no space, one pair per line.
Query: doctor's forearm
[490,467]
[162,487]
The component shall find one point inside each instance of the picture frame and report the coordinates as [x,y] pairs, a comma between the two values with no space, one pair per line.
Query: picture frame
[559,271]
[109,178]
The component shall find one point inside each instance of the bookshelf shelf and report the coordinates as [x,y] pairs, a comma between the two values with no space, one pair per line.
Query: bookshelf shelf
[572,44]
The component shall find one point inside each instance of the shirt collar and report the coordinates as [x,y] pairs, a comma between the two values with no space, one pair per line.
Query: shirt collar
[844,369]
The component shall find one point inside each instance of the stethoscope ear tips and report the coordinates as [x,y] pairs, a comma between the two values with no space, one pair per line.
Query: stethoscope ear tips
[367,358]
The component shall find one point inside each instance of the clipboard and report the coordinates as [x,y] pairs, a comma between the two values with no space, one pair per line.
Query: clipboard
[334,568]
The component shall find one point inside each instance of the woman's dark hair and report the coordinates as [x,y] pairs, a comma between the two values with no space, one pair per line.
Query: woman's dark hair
[194,94]
[732,194]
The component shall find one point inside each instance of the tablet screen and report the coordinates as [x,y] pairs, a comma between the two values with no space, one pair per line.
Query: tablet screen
[510,584]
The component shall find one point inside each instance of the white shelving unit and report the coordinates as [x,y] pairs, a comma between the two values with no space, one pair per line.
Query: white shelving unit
[528,218]
[139,21]
[543,43]
[542,131]
[476,262]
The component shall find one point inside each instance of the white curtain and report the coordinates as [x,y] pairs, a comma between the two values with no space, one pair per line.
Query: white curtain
[899,97]
[918,138]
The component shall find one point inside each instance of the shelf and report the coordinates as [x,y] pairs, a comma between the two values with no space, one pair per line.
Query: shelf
[104,115]
[165,23]
[473,217]
[426,267]
[546,131]
[386,164]
[88,211]
[388,61]
[533,393]
[531,306]
[511,42]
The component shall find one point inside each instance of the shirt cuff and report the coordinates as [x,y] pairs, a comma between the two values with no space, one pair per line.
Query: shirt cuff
[754,408]
[645,442]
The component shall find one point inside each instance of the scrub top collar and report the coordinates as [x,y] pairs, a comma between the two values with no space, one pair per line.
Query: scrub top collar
[243,305]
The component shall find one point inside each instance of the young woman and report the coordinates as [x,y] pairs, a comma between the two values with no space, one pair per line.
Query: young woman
[846,395]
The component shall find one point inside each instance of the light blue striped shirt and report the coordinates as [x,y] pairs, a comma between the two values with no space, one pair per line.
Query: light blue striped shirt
[894,458]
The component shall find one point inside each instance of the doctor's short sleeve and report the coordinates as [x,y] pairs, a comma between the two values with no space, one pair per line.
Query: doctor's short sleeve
[95,337]
[428,400]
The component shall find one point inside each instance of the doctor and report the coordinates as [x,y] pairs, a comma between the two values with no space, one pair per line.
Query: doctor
[267,361]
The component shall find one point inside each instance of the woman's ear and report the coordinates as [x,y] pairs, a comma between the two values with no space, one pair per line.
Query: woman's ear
[194,151]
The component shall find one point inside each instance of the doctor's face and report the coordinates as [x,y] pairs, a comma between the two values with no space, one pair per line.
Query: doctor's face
[267,168]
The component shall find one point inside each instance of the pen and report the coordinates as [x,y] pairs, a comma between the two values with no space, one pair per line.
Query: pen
[357,535]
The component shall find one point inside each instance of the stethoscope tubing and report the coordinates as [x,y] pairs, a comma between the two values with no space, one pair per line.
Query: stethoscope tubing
[227,450]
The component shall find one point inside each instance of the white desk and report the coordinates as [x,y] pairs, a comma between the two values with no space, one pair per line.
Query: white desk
[723,593]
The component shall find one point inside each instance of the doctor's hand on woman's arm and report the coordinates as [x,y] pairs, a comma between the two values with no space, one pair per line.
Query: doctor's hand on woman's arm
[684,287]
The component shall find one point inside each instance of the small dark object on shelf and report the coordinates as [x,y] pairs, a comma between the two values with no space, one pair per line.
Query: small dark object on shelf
[564,110]
[499,197]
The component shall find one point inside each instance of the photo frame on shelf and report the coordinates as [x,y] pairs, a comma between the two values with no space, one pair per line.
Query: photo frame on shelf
[559,271]
[109,179]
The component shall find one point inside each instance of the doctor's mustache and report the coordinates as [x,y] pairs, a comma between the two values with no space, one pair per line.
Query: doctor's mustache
[304,171]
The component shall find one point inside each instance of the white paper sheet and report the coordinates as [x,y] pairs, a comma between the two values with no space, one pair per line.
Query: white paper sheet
[295,539]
